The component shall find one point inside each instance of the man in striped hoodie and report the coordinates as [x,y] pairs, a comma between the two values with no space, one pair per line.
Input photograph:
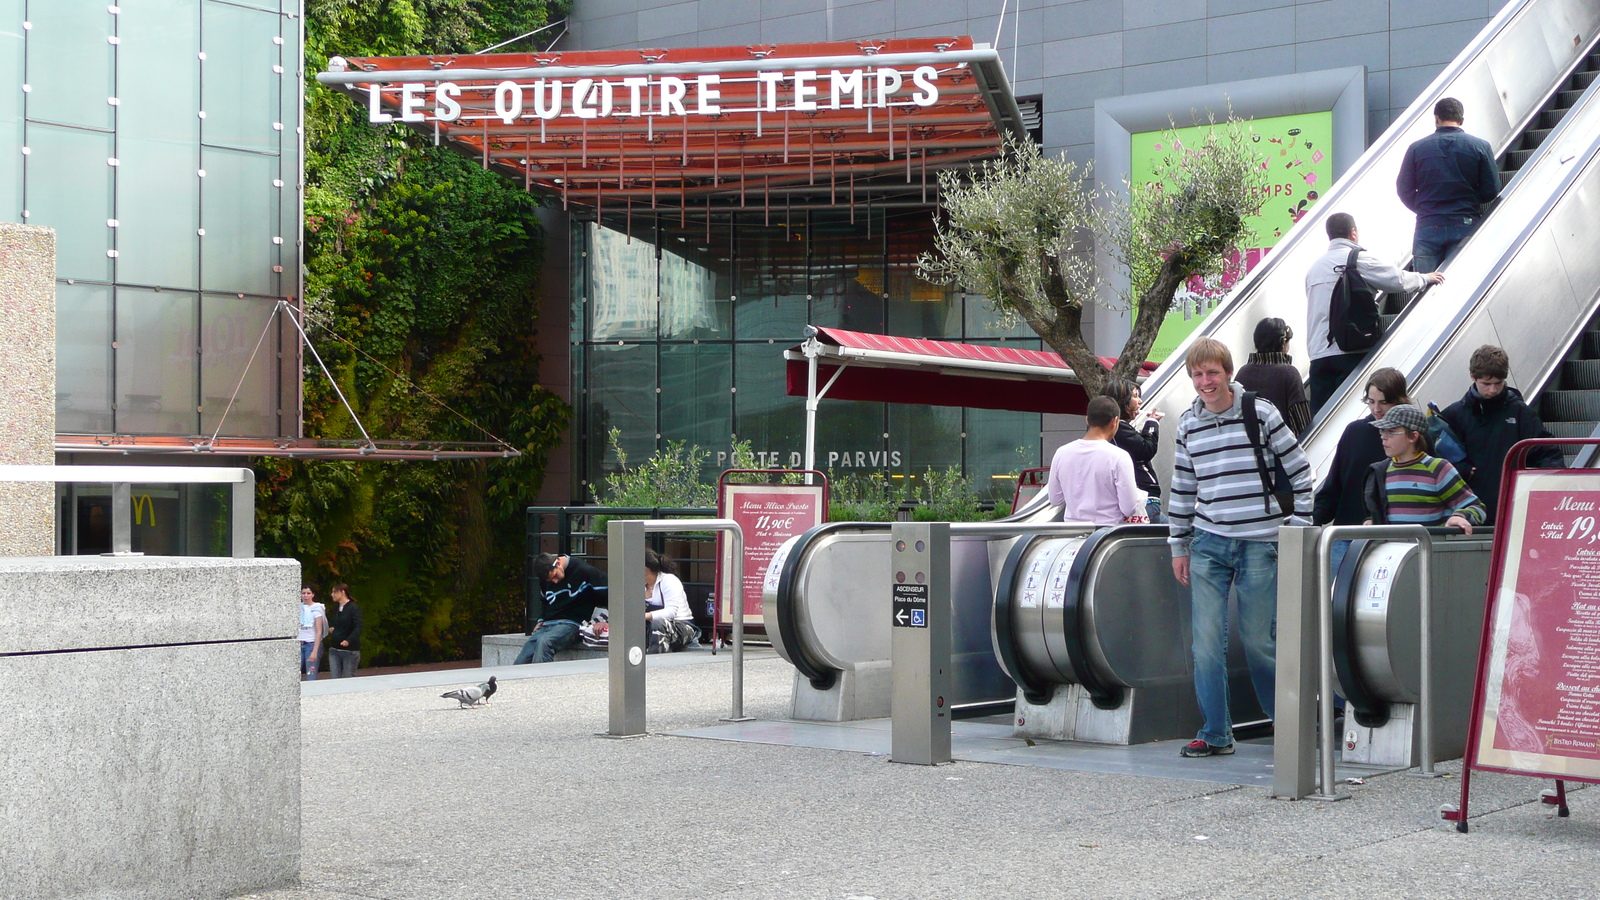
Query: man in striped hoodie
[1223,523]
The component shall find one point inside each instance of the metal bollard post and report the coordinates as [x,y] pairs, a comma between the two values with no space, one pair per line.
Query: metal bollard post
[121,519]
[921,645]
[628,627]
[1294,746]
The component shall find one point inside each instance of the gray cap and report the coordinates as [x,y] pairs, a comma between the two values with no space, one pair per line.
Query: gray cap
[1403,416]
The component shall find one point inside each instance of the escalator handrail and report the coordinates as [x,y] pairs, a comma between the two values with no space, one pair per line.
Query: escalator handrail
[787,614]
[1003,620]
[1103,693]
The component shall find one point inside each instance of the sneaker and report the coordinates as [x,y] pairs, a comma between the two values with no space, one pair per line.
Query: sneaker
[1198,747]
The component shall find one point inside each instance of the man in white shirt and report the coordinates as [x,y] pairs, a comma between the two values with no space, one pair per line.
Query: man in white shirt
[1093,477]
[1330,364]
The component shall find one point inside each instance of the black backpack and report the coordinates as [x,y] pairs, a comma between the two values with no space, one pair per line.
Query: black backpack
[1277,483]
[1353,321]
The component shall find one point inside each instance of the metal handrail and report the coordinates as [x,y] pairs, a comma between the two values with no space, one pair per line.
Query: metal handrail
[242,517]
[1328,740]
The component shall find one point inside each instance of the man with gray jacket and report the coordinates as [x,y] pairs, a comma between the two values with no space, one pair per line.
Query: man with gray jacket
[1330,364]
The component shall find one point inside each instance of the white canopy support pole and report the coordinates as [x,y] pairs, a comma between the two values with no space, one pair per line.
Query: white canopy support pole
[813,349]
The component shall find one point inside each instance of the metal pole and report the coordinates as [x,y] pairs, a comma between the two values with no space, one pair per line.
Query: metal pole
[625,653]
[920,644]
[121,519]
[243,515]
[736,547]
[1425,706]
[1294,746]
[1325,661]
[810,349]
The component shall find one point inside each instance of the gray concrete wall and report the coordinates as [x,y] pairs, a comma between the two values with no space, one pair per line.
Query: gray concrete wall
[151,746]
[27,385]
[1074,52]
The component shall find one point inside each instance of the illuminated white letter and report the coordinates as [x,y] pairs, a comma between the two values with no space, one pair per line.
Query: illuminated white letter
[411,97]
[672,90]
[583,98]
[375,113]
[889,81]
[445,107]
[508,101]
[805,92]
[770,79]
[840,82]
[633,85]
[547,107]
[927,92]
[706,87]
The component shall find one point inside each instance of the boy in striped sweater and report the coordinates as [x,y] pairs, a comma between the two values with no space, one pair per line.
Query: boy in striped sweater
[1413,488]
[1223,521]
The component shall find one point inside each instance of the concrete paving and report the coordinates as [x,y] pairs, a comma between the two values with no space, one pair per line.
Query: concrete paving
[407,797]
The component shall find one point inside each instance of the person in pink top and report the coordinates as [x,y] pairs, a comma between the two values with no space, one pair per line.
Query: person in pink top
[1092,478]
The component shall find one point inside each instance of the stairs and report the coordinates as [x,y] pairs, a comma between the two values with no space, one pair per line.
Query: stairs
[1570,404]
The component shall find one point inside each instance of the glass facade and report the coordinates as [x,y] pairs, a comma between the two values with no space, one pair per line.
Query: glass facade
[161,141]
[679,326]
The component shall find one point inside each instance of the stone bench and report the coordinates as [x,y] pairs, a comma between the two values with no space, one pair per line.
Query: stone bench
[502,650]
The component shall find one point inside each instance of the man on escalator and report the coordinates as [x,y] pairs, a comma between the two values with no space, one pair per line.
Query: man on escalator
[1446,178]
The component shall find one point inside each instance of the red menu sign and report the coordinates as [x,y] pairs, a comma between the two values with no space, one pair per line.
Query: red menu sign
[768,514]
[1541,710]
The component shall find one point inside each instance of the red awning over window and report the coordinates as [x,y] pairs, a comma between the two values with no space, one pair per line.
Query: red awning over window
[884,368]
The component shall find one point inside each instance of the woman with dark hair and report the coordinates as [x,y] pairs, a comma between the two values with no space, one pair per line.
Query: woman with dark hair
[1270,374]
[1140,442]
[344,641]
[666,606]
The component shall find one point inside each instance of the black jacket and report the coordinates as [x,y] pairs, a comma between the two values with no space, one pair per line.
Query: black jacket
[1487,429]
[1142,446]
[1273,377]
[574,598]
[345,625]
[1339,500]
[1448,176]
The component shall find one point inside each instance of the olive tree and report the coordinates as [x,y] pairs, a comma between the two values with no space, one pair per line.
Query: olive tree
[1023,230]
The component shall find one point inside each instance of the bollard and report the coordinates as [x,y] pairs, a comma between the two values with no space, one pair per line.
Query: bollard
[625,654]
[920,649]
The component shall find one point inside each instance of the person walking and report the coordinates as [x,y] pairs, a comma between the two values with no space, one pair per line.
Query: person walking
[1330,364]
[1139,441]
[313,628]
[1446,178]
[1223,524]
[344,640]
[1092,478]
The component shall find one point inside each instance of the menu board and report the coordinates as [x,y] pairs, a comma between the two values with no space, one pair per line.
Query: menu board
[1541,691]
[769,515]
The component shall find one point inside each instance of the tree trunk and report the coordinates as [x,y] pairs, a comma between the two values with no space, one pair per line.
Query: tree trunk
[1154,304]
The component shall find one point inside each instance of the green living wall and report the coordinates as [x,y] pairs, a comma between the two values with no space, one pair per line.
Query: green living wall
[430,266]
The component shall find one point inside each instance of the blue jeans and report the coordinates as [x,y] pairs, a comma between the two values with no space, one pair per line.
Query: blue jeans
[1250,568]
[1152,506]
[308,663]
[547,640]
[1432,243]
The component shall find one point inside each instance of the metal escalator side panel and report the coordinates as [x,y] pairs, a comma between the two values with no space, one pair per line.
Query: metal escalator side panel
[1136,616]
[800,594]
[1017,626]
[1354,586]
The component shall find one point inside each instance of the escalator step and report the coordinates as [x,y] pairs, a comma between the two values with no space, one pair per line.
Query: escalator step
[1571,429]
[1569,99]
[1550,118]
[1517,157]
[1533,137]
[1591,344]
[1581,80]
[1571,406]
[1580,375]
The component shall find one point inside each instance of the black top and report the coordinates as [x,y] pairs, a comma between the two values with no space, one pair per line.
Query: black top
[345,625]
[1340,500]
[1142,446]
[574,598]
[1273,378]
[1487,429]
[1447,177]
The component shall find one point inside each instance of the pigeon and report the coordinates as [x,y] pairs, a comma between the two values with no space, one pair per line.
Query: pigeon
[469,697]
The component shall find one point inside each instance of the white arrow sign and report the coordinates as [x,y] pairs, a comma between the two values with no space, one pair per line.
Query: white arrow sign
[900,616]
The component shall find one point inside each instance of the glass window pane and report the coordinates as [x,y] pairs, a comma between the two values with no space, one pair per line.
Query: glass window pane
[767,417]
[983,323]
[696,284]
[239,211]
[696,400]
[12,45]
[622,395]
[69,189]
[923,437]
[156,362]
[772,283]
[847,271]
[918,308]
[70,63]
[622,285]
[239,90]
[233,348]
[994,439]
[83,358]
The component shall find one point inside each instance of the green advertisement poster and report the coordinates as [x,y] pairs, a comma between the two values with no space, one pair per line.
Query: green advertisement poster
[1296,151]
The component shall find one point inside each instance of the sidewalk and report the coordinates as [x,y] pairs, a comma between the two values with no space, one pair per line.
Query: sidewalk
[405,796]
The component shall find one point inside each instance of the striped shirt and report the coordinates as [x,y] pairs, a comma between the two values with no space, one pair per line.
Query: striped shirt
[1428,491]
[1216,481]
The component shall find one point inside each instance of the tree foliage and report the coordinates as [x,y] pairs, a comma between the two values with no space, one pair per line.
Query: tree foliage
[429,266]
[1023,232]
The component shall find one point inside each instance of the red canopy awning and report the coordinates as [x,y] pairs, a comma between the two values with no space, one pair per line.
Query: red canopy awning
[889,369]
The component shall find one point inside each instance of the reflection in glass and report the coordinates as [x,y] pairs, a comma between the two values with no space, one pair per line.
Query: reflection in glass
[983,323]
[70,63]
[696,400]
[925,437]
[623,290]
[766,416]
[622,395]
[69,189]
[156,362]
[994,439]
[12,48]
[240,88]
[917,308]
[774,279]
[230,335]
[240,216]
[847,270]
[696,282]
[83,358]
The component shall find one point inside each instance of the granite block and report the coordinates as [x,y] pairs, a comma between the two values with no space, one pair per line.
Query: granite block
[92,602]
[28,384]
